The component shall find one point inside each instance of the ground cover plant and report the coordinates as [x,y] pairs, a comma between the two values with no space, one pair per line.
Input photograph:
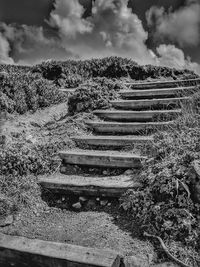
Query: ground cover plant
[168,205]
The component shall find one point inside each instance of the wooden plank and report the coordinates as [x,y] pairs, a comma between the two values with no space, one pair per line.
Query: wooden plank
[101,158]
[148,103]
[136,116]
[107,186]
[156,93]
[111,141]
[127,127]
[163,84]
[23,252]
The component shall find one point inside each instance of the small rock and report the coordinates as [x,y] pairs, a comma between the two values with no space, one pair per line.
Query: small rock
[128,172]
[109,204]
[63,169]
[91,204]
[98,199]
[82,199]
[105,172]
[6,221]
[103,202]
[77,206]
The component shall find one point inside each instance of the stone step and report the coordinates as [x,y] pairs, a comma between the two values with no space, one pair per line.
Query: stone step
[148,103]
[163,84]
[111,141]
[127,127]
[21,251]
[97,158]
[106,186]
[156,93]
[127,115]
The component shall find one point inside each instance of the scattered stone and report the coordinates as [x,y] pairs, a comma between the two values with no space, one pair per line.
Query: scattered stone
[98,199]
[103,202]
[63,169]
[133,261]
[77,206]
[91,204]
[6,221]
[105,172]
[82,199]
[109,204]
[128,172]
[63,198]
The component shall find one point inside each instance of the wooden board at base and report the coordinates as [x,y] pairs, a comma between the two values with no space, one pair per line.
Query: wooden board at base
[23,252]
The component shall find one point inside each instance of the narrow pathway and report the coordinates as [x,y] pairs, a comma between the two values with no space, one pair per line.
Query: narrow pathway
[143,109]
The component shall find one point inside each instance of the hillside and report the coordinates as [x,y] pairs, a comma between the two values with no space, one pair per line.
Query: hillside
[46,109]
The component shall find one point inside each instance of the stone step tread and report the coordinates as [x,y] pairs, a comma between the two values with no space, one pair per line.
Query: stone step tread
[162,91]
[164,82]
[120,181]
[15,250]
[109,159]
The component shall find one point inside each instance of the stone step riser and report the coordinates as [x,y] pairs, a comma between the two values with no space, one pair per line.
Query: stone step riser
[112,161]
[164,84]
[148,104]
[137,116]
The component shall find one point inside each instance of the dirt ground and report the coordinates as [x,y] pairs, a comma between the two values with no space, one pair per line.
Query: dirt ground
[99,229]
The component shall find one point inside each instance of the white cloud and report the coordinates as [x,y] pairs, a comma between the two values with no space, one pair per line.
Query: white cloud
[67,17]
[181,26]
[112,29]
[29,44]
[171,56]
[4,51]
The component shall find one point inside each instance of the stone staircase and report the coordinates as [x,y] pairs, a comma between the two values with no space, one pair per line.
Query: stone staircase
[143,109]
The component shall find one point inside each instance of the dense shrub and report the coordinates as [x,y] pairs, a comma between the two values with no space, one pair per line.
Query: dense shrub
[21,159]
[95,94]
[17,192]
[110,67]
[23,92]
[166,206]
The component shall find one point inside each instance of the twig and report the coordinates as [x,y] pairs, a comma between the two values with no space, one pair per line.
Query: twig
[166,250]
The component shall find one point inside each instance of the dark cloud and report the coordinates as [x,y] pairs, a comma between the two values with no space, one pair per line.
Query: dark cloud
[29,12]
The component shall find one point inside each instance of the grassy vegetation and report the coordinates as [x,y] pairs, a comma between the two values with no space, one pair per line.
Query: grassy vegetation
[166,205]
[30,88]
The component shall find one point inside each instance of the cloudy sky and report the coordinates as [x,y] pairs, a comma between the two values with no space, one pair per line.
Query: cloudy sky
[161,32]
